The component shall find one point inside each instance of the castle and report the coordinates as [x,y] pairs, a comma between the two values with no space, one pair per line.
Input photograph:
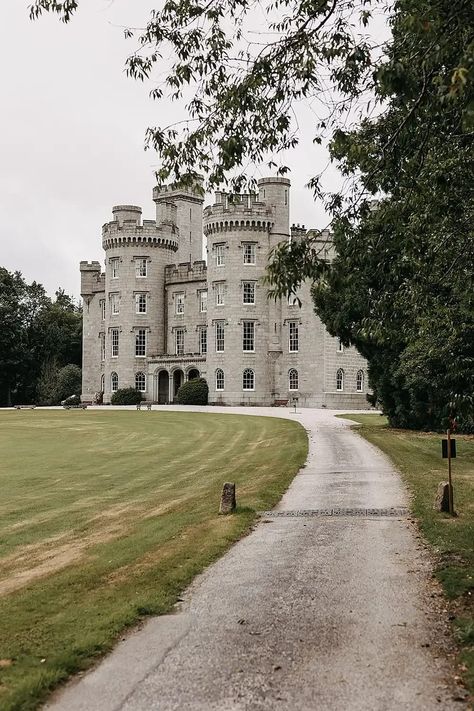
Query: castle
[160,315]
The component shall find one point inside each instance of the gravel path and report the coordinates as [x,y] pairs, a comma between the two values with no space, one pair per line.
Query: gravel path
[311,611]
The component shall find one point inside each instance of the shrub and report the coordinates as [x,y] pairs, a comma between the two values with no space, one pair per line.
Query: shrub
[126,396]
[194,392]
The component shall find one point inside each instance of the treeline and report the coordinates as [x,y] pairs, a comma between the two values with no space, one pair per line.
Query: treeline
[40,343]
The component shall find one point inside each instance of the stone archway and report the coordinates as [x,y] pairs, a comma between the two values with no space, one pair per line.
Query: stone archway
[162,387]
[193,373]
[178,380]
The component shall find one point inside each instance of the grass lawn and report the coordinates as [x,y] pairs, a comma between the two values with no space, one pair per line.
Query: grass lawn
[105,516]
[417,455]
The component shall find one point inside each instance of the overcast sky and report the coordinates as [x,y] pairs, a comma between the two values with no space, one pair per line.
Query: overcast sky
[72,135]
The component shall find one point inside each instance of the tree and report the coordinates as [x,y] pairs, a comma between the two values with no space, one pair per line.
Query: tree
[400,119]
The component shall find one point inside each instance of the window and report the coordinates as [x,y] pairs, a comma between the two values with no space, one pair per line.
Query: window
[102,383]
[179,341]
[249,292]
[249,252]
[293,340]
[102,346]
[293,379]
[220,293]
[340,347]
[219,336]
[114,303]
[179,303]
[140,382]
[220,379]
[203,340]
[114,340]
[141,267]
[219,254]
[140,343]
[203,301]
[292,299]
[248,336]
[248,379]
[102,309]
[360,381]
[140,303]
[113,382]
[114,267]
[340,379]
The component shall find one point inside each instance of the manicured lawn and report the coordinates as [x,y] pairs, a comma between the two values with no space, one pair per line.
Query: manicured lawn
[105,516]
[417,455]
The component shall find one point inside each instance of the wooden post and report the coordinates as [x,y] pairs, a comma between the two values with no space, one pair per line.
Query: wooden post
[450,482]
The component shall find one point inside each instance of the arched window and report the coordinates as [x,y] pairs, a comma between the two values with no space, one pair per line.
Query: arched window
[360,381]
[220,380]
[293,379]
[114,382]
[248,379]
[340,379]
[102,383]
[140,382]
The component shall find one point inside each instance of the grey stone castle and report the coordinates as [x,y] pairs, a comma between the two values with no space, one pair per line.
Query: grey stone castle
[160,315]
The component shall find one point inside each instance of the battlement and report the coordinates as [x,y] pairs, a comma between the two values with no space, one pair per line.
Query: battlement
[89,267]
[186,272]
[175,191]
[231,212]
[297,231]
[92,280]
[128,232]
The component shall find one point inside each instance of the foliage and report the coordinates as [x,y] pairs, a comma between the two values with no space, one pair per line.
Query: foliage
[37,336]
[194,392]
[400,119]
[126,396]
[112,559]
[69,382]
[71,400]
[56,384]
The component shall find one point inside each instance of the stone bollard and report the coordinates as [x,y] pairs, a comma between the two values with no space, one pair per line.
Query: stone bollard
[441,503]
[228,502]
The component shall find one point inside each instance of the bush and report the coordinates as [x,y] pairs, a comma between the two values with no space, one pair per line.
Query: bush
[126,396]
[72,400]
[56,384]
[69,382]
[194,392]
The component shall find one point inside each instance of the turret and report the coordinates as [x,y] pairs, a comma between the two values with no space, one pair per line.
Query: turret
[275,192]
[188,216]
[90,278]
[127,213]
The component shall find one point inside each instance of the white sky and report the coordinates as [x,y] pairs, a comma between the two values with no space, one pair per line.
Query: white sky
[72,135]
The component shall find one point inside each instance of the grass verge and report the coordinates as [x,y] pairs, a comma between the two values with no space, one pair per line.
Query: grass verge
[417,455]
[105,517]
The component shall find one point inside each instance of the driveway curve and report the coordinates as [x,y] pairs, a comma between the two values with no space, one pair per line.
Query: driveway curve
[327,604]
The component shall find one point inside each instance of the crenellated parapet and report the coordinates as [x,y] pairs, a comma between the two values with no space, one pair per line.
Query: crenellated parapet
[92,279]
[185,272]
[237,212]
[131,233]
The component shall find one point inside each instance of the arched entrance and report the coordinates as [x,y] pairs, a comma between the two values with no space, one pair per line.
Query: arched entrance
[193,374]
[162,387]
[178,380]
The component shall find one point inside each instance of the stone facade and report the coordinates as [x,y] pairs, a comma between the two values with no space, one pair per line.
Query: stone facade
[160,315]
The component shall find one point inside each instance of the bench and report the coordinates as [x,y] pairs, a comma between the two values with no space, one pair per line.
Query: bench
[25,407]
[148,405]
[280,403]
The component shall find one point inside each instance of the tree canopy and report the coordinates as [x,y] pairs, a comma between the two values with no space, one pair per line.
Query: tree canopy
[399,118]
[38,336]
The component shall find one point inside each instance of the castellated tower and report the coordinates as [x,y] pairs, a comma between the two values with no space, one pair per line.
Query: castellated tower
[188,203]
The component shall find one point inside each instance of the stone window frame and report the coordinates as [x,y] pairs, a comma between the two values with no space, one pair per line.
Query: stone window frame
[141,297]
[220,290]
[103,346]
[293,379]
[141,342]
[179,341]
[360,377]
[202,340]
[141,262]
[249,292]
[340,346]
[114,263]
[248,336]
[220,336]
[340,380]
[114,298]
[219,253]
[140,381]
[114,342]
[203,296]
[252,254]
[102,309]
[114,382]
[220,380]
[293,337]
[248,379]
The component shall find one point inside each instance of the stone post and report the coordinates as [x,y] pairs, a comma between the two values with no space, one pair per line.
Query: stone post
[228,502]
